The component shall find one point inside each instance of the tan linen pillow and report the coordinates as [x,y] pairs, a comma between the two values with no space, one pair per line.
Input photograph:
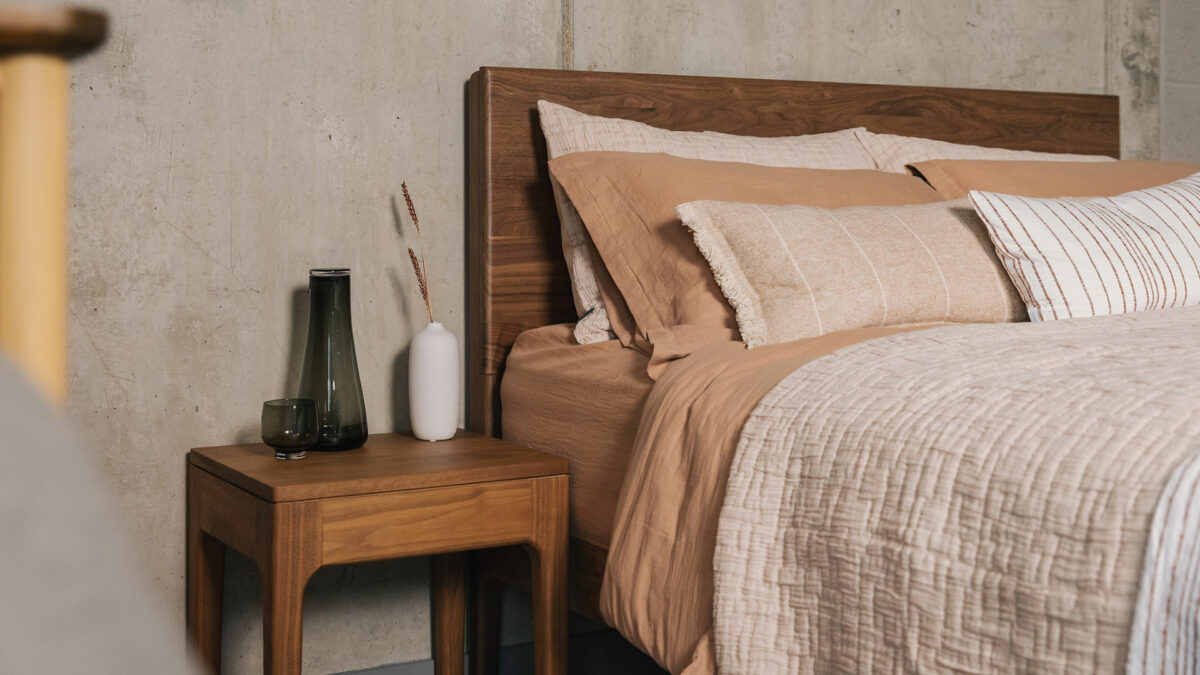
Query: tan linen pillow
[627,202]
[794,272]
[954,178]
[894,153]
[568,131]
[1073,257]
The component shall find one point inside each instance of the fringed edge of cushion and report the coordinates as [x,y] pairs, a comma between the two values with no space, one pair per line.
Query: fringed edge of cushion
[726,270]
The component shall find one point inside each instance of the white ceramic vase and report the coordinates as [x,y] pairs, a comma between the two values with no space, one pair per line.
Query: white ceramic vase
[433,395]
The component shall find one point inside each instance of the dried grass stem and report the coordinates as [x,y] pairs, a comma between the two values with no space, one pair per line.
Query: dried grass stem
[418,265]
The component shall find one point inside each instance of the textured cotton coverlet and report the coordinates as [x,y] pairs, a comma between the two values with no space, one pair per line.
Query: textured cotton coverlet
[968,499]
[972,498]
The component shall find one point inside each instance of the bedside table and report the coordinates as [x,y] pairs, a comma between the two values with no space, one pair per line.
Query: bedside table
[394,497]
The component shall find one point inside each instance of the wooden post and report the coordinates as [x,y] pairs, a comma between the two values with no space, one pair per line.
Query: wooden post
[36,41]
[33,217]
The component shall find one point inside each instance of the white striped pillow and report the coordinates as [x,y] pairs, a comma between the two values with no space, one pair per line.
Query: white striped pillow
[1104,255]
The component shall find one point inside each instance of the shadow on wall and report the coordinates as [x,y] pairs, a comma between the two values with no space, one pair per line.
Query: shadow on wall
[294,360]
[400,421]
[382,587]
[298,336]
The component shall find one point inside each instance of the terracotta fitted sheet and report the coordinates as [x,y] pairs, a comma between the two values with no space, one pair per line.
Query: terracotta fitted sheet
[582,402]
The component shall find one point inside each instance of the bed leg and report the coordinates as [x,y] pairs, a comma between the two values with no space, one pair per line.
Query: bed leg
[485,619]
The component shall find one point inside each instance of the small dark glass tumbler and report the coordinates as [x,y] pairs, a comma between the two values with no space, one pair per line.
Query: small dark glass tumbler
[290,426]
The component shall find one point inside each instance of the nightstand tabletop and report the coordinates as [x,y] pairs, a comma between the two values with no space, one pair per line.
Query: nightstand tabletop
[386,463]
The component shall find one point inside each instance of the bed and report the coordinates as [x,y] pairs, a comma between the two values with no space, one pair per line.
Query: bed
[518,280]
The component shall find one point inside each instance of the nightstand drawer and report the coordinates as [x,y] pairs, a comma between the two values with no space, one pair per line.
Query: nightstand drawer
[418,522]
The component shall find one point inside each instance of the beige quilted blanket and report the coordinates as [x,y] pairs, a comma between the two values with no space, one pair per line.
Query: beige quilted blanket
[966,499]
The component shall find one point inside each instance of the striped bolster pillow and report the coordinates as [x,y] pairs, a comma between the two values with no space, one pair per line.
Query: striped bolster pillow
[1105,255]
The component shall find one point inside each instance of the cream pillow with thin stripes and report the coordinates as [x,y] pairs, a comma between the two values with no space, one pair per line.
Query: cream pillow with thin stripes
[793,272]
[1103,255]
[568,131]
[894,153]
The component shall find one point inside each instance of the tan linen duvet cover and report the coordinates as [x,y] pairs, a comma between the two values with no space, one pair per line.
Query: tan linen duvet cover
[970,498]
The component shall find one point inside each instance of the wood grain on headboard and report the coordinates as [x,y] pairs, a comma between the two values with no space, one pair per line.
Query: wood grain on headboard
[517,278]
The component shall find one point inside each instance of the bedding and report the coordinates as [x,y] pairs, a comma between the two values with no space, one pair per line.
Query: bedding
[627,202]
[905,505]
[567,130]
[1074,257]
[1163,637]
[893,152]
[904,502]
[582,402]
[793,272]
[657,588]
[954,178]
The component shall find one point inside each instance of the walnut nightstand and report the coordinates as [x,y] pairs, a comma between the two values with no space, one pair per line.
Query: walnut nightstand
[394,497]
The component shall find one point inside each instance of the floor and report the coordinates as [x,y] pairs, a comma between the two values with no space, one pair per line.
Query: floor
[588,654]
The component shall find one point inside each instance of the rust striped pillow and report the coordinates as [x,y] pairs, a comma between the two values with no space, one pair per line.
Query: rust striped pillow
[1105,255]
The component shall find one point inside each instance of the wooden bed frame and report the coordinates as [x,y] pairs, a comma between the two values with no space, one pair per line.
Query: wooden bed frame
[517,277]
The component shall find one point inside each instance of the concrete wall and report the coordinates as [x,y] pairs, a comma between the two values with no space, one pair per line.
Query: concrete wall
[1059,45]
[1181,80]
[221,148]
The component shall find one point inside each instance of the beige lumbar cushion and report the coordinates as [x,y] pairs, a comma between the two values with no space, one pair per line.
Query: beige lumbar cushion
[793,272]
[1074,257]
[568,131]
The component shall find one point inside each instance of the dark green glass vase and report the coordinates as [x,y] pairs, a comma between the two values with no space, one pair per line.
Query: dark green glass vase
[330,372]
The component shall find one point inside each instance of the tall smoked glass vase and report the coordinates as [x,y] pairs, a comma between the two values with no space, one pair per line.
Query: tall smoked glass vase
[330,372]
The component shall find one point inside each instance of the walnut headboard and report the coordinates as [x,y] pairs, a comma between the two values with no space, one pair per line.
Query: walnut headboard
[517,278]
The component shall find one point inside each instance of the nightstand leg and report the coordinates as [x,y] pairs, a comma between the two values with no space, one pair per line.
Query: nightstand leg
[548,547]
[449,582]
[286,561]
[283,623]
[205,574]
[485,619]
[206,570]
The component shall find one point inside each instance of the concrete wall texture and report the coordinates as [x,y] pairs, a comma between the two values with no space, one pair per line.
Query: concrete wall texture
[1180,80]
[222,148]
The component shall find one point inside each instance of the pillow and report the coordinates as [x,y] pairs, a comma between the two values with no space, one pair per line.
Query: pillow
[568,131]
[794,272]
[893,153]
[954,178]
[1107,255]
[627,202]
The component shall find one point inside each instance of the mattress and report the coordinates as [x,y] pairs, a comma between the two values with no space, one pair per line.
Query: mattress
[583,402]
